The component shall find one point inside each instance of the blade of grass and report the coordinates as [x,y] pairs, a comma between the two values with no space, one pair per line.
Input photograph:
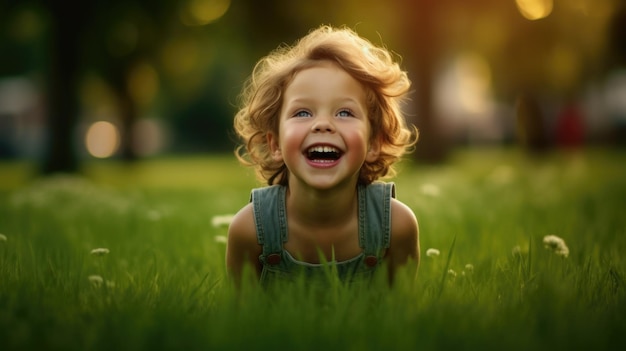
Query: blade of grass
[445,270]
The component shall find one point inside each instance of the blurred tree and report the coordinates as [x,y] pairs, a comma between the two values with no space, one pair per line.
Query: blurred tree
[617,37]
[531,130]
[67,25]
[422,37]
[617,64]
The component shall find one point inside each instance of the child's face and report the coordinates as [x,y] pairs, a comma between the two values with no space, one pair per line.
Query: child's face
[324,131]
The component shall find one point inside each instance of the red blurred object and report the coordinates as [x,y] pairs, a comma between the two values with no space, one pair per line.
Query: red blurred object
[570,127]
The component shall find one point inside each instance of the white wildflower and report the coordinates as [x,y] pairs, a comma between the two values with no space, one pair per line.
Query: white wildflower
[95,280]
[3,237]
[432,252]
[556,244]
[452,273]
[222,220]
[469,268]
[430,190]
[221,239]
[101,251]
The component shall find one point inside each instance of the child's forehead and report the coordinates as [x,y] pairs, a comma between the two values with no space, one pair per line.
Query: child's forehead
[308,68]
[320,64]
[325,64]
[312,64]
[326,75]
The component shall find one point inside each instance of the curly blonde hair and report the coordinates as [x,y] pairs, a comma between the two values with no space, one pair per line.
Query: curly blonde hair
[385,83]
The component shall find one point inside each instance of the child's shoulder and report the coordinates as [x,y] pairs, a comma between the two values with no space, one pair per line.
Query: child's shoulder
[404,235]
[404,226]
[242,230]
[401,212]
[242,247]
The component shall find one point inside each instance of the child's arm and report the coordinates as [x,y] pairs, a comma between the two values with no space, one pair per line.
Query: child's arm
[243,250]
[404,249]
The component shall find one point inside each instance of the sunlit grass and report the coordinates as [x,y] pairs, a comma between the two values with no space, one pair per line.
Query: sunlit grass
[132,257]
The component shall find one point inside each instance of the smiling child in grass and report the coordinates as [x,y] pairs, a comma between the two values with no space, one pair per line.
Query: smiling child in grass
[321,123]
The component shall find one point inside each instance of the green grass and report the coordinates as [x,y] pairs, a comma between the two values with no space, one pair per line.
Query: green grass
[164,287]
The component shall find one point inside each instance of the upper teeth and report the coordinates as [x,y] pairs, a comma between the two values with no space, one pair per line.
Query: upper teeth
[324,148]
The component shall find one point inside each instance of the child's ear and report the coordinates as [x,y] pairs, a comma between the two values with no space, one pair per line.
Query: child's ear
[272,142]
[373,151]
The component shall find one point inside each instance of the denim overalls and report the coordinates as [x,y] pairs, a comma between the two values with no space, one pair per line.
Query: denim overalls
[374,211]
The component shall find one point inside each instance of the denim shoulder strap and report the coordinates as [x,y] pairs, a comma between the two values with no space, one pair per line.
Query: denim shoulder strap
[268,204]
[375,217]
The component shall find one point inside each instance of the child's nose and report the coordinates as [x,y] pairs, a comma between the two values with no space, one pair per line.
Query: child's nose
[323,124]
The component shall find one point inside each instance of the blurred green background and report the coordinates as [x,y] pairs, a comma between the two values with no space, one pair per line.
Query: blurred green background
[135,79]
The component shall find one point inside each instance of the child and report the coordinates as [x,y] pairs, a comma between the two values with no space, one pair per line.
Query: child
[321,123]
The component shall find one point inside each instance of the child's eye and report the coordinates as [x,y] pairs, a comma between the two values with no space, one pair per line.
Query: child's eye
[345,113]
[302,113]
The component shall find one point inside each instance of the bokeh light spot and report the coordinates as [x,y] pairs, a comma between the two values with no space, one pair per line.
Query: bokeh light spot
[202,12]
[534,9]
[149,137]
[102,139]
[474,82]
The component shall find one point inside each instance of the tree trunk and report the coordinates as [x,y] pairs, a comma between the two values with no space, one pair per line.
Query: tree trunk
[67,24]
[423,43]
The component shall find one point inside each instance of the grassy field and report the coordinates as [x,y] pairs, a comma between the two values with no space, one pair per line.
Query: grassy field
[158,281]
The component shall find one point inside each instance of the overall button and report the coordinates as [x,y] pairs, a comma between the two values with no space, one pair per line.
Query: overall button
[273,259]
[371,261]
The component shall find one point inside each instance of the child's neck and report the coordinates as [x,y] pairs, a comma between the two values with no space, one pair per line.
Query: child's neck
[316,207]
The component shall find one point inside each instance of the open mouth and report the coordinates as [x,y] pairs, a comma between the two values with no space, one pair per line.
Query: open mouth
[323,153]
